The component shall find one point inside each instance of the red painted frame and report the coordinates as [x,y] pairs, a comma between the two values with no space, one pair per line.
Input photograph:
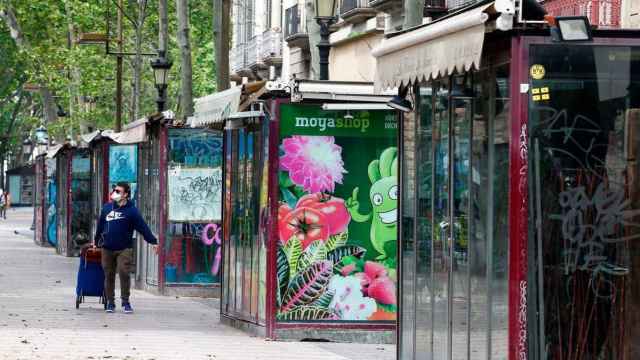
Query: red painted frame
[105,171]
[163,133]
[271,323]
[518,203]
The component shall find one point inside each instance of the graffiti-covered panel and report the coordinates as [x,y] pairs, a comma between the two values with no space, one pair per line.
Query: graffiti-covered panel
[50,202]
[194,188]
[338,213]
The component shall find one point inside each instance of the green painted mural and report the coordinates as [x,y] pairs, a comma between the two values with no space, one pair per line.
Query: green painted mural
[338,215]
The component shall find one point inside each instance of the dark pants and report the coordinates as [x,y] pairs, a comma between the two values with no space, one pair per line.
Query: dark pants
[122,262]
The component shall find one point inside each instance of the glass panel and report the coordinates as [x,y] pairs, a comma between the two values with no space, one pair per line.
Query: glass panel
[441,237]
[408,289]
[498,215]
[80,200]
[585,125]
[424,227]
[462,113]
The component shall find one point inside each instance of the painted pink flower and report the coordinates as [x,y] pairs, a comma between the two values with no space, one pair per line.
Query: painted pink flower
[376,273]
[383,290]
[314,162]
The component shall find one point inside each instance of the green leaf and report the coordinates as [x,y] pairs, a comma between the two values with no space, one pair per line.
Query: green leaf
[284,179]
[325,299]
[289,197]
[283,274]
[316,251]
[337,240]
[308,285]
[293,250]
[339,255]
[388,308]
[305,313]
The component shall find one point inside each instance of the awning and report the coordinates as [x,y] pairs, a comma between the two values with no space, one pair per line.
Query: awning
[53,151]
[135,132]
[214,108]
[433,50]
[88,138]
[336,91]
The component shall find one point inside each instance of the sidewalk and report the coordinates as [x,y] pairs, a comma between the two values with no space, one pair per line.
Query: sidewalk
[38,319]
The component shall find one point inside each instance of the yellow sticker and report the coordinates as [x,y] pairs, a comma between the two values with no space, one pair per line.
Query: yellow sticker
[537,72]
[545,90]
[535,91]
[545,96]
[536,97]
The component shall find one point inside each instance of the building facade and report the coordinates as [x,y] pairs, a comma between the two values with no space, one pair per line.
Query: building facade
[605,14]
[277,39]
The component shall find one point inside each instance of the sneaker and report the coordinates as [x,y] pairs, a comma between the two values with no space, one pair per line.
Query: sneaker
[126,307]
[111,307]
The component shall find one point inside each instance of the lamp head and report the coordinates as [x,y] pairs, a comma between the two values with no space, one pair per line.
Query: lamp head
[400,101]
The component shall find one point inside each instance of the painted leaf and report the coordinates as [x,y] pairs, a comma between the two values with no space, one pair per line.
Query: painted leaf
[289,197]
[283,274]
[340,253]
[325,299]
[308,285]
[337,240]
[293,250]
[339,256]
[306,313]
[316,251]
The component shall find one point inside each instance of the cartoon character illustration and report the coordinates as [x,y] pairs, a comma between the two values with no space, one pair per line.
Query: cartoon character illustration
[384,202]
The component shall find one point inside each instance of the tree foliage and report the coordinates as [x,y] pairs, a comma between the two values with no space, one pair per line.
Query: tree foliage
[53,58]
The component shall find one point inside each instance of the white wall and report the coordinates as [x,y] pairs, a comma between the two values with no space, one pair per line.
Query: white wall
[630,16]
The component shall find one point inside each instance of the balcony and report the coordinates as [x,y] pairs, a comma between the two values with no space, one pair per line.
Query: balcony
[356,11]
[253,49]
[435,8]
[295,28]
[238,60]
[388,6]
[432,8]
[271,48]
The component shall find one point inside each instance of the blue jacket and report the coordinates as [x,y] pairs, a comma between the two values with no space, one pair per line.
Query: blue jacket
[116,225]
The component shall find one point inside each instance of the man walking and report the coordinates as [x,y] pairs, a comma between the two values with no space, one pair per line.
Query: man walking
[114,233]
[4,203]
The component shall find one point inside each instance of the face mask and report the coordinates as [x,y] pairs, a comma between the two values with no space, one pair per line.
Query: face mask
[116,196]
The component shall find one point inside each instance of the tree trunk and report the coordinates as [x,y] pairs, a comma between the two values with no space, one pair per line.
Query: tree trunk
[413,13]
[76,100]
[186,72]
[221,38]
[163,25]
[8,15]
[134,113]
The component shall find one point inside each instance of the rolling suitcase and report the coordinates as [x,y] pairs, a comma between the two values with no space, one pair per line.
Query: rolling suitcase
[90,276]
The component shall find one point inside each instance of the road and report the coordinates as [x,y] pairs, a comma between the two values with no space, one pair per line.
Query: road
[38,319]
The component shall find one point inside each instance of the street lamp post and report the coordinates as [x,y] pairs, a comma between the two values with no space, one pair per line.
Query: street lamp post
[325,17]
[161,66]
